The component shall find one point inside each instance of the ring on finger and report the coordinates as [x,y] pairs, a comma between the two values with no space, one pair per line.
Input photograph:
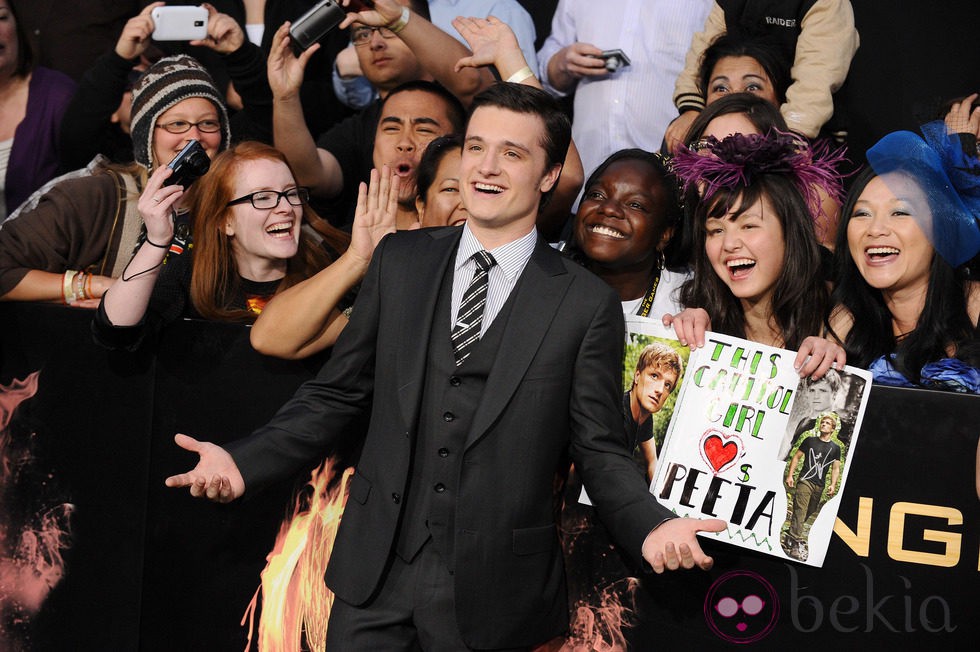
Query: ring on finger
[156,199]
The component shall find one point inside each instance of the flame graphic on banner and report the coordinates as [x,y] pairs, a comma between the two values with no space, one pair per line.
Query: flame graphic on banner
[602,595]
[599,626]
[296,602]
[32,543]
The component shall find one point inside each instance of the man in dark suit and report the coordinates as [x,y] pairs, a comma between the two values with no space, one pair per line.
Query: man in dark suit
[448,539]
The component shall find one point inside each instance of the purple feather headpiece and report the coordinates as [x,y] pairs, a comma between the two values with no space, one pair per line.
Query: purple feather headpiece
[737,161]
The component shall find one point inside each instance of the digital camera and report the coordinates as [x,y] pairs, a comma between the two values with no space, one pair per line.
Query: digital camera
[189,165]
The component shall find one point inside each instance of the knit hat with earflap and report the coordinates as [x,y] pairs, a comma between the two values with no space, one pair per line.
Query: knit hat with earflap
[164,84]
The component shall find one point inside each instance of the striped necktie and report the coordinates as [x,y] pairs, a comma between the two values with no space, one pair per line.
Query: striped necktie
[466,332]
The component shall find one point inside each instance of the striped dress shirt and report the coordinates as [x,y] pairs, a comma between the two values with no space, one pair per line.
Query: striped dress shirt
[511,259]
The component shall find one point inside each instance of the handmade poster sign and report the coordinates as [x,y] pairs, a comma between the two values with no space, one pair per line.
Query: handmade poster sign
[748,441]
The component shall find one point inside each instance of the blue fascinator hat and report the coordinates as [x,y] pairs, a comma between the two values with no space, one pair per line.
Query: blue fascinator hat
[949,178]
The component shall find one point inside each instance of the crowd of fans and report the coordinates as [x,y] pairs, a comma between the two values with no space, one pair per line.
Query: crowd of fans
[707,132]
[708,180]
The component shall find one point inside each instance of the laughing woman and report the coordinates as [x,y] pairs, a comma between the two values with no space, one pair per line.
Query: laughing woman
[249,244]
[627,216]
[756,257]
[905,310]
[76,240]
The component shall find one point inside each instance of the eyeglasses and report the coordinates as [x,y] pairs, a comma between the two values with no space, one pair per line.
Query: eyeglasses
[362,35]
[265,200]
[183,126]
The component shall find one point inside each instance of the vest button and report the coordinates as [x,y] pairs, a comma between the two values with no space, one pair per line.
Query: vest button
[455,381]
[443,452]
[448,416]
[439,488]
[395,498]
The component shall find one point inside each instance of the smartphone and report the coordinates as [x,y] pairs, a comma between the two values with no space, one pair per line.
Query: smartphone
[189,164]
[315,23]
[183,23]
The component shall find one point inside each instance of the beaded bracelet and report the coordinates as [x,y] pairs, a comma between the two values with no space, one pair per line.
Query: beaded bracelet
[78,286]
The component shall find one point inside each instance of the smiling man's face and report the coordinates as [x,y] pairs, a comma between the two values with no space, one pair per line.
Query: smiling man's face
[504,170]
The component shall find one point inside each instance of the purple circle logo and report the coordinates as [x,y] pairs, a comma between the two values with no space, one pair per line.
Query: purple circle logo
[741,607]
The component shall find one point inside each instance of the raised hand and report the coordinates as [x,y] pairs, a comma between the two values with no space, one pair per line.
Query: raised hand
[156,206]
[492,42]
[963,118]
[384,12]
[136,33]
[225,35]
[374,217]
[216,477]
[284,68]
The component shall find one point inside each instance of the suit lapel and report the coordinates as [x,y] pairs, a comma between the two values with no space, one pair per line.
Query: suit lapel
[537,296]
[419,291]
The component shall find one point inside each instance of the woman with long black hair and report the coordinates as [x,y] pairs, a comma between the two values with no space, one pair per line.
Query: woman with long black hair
[905,309]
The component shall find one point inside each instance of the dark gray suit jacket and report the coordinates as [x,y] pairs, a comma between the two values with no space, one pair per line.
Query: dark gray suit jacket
[554,389]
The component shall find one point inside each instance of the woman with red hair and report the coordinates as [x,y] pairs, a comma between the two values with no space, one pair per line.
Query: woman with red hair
[254,236]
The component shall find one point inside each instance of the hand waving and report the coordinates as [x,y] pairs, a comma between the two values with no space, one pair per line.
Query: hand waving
[374,217]
[489,39]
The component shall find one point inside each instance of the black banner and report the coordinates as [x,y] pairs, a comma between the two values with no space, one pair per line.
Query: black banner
[98,554]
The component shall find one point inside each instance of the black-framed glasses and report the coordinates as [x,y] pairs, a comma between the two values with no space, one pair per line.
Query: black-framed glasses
[264,200]
[183,126]
[362,35]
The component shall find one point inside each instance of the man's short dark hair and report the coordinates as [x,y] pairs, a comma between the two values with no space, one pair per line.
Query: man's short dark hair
[454,108]
[520,98]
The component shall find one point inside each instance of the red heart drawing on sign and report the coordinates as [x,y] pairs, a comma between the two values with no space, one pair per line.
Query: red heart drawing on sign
[717,452]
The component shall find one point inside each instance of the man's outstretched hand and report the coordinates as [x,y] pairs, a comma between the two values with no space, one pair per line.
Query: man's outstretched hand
[674,544]
[216,477]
